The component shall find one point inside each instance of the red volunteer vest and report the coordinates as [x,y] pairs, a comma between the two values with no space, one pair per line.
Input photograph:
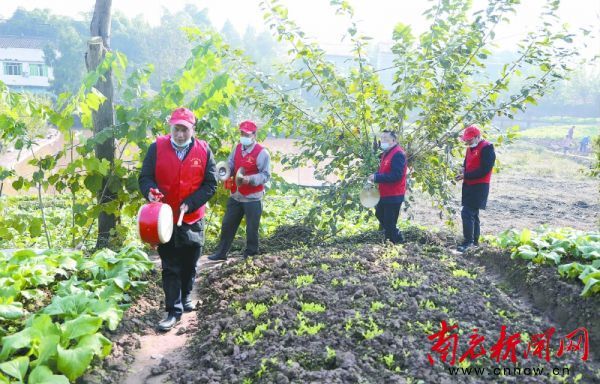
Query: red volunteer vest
[178,179]
[473,161]
[397,188]
[249,164]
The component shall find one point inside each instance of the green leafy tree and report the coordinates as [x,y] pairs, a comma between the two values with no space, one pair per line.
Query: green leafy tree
[129,36]
[170,49]
[203,84]
[440,86]
[139,41]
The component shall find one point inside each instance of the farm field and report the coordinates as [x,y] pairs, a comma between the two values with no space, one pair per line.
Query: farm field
[350,309]
[311,311]
[115,130]
[354,310]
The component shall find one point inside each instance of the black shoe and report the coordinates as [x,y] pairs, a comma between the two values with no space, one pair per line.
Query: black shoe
[464,247]
[168,322]
[247,255]
[216,257]
[401,239]
[188,306]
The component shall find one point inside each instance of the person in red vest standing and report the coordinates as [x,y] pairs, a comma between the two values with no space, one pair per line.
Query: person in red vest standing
[476,176]
[246,198]
[182,169]
[391,180]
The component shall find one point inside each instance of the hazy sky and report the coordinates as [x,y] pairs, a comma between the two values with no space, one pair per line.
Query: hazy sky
[317,18]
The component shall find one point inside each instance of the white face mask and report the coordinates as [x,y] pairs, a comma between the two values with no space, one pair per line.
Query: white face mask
[475,143]
[245,141]
[385,146]
[182,145]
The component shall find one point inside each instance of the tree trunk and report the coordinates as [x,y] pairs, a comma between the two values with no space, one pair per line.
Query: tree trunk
[98,45]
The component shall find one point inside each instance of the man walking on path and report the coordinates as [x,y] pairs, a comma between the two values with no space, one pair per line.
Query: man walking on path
[180,170]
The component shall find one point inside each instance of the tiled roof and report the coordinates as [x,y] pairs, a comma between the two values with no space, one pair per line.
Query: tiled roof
[22,42]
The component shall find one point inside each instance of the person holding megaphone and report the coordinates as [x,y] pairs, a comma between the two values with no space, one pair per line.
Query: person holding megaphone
[251,165]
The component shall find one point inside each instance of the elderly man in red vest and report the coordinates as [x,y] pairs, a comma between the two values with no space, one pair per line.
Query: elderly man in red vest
[246,198]
[476,176]
[182,169]
[391,180]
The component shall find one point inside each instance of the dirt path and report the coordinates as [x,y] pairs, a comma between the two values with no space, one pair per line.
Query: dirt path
[12,156]
[51,145]
[158,351]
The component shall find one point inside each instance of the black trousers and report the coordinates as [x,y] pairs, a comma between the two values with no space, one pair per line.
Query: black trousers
[234,213]
[179,270]
[387,213]
[471,226]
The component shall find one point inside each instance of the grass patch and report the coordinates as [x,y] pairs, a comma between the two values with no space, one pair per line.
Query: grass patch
[560,131]
[304,280]
[463,273]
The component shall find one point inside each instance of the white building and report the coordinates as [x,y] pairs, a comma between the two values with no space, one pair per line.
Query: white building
[22,64]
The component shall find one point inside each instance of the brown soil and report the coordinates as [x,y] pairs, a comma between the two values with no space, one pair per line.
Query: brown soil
[523,201]
[349,275]
[141,353]
[365,273]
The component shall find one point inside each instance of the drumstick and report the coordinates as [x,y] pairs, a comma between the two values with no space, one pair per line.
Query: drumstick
[180,218]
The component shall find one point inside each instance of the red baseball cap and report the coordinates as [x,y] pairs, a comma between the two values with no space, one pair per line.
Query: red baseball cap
[183,116]
[248,127]
[470,132]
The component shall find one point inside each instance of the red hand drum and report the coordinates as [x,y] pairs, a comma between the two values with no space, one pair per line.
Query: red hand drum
[155,223]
